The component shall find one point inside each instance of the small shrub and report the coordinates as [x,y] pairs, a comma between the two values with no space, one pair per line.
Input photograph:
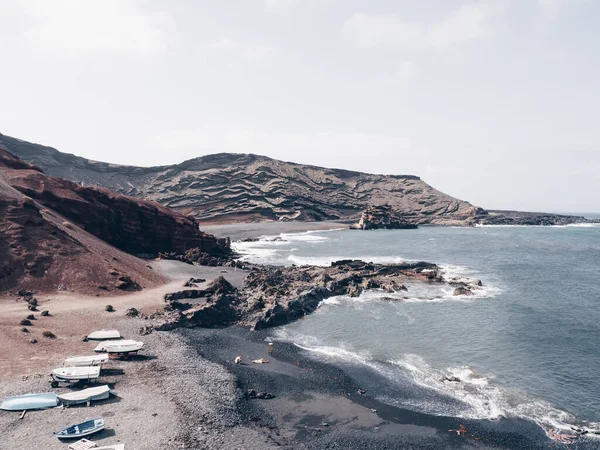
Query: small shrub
[32,307]
[109,308]
[45,313]
[48,334]
[25,322]
[24,330]
[32,301]
[30,317]
[132,312]
[32,341]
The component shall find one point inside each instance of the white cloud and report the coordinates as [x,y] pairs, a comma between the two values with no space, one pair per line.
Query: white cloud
[406,70]
[250,53]
[74,27]
[468,22]
[258,53]
[274,5]
[550,9]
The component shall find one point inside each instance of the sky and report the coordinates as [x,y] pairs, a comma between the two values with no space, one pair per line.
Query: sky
[492,101]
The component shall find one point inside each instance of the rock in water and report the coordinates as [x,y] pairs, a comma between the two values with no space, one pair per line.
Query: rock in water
[274,296]
[463,291]
[382,217]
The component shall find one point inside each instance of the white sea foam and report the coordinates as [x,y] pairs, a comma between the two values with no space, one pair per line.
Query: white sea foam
[477,394]
[327,260]
[487,400]
[576,225]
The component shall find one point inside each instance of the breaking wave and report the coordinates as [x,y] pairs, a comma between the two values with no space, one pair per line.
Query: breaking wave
[461,391]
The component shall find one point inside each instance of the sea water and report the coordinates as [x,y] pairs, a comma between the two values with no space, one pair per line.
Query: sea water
[526,345]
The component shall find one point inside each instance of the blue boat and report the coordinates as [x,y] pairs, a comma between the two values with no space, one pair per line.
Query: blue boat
[81,429]
[30,401]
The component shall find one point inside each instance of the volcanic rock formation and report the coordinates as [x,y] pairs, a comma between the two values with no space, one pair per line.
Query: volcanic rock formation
[382,217]
[274,296]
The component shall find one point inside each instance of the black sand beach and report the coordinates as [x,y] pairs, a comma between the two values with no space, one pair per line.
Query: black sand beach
[318,405]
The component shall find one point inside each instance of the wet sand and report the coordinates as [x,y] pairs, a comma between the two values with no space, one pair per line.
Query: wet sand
[318,405]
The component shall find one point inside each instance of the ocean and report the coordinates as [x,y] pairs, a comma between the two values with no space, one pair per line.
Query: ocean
[525,346]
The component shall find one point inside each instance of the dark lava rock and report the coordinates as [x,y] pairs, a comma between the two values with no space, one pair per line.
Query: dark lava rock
[463,291]
[274,296]
[259,395]
[192,282]
[132,312]
[125,283]
[382,217]
[25,293]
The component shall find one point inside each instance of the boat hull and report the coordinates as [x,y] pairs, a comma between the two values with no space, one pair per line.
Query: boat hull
[102,335]
[83,361]
[30,401]
[119,346]
[81,429]
[76,373]
[86,395]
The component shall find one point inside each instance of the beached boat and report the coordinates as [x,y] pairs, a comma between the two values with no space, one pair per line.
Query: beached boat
[85,395]
[125,346]
[76,373]
[102,335]
[30,401]
[81,429]
[91,360]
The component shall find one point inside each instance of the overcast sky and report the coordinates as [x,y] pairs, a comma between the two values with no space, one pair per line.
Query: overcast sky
[493,101]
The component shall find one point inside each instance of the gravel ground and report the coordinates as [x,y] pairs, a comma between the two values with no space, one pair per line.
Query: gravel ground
[167,398]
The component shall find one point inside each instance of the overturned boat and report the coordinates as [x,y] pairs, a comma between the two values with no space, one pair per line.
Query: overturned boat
[84,361]
[30,401]
[81,429]
[85,395]
[124,346]
[102,335]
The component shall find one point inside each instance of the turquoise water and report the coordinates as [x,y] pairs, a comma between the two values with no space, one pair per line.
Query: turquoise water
[525,346]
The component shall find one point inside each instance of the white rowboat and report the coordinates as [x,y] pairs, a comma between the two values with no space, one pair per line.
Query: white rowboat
[125,346]
[104,334]
[92,360]
[76,373]
[85,395]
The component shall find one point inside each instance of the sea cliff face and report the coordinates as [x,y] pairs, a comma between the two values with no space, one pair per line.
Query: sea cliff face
[133,225]
[54,232]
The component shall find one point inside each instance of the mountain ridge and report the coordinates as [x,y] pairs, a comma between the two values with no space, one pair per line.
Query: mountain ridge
[240,187]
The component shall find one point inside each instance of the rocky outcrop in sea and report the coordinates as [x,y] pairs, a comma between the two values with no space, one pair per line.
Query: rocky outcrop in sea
[382,217]
[273,296]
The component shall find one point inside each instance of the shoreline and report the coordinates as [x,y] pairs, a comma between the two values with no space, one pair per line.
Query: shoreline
[318,405]
[237,231]
[186,392]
